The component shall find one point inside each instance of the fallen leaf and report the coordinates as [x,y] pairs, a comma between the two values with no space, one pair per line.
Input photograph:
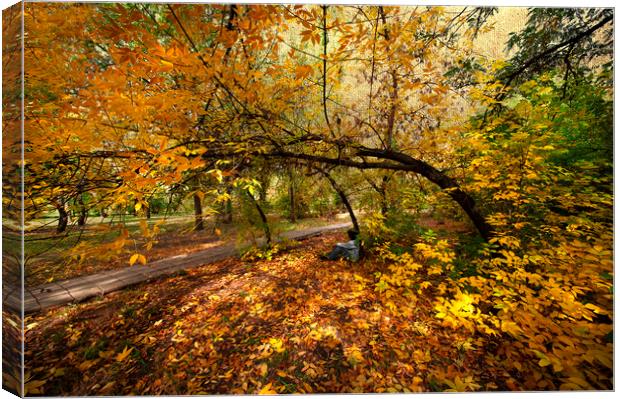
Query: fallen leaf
[123,355]
[267,390]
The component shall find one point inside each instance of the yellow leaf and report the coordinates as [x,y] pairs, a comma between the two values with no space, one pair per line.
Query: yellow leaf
[167,66]
[31,326]
[354,355]
[267,390]
[86,364]
[276,344]
[511,328]
[133,259]
[138,206]
[123,355]
[544,362]
[580,382]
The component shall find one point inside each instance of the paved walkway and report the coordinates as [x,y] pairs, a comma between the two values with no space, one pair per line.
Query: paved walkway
[81,288]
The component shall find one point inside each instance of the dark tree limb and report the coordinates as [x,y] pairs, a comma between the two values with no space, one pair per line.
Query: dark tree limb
[324,97]
[342,194]
[408,164]
[263,217]
[541,56]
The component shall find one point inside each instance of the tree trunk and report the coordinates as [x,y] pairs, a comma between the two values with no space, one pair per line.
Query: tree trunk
[83,213]
[381,189]
[291,196]
[198,222]
[391,118]
[383,193]
[404,163]
[82,218]
[263,218]
[63,218]
[448,184]
[264,179]
[343,197]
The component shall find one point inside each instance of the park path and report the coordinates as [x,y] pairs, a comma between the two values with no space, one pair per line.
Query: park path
[81,288]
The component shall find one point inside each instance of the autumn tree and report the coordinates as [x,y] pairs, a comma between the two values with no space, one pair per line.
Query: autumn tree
[191,75]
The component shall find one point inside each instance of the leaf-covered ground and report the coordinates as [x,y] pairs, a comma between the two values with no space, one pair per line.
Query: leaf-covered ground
[293,324]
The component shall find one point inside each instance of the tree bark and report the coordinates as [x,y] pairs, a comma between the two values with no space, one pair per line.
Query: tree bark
[343,197]
[324,96]
[407,164]
[263,218]
[448,184]
[198,222]
[389,137]
[83,212]
[291,196]
[383,193]
[82,218]
[63,218]
[381,189]
[293,211]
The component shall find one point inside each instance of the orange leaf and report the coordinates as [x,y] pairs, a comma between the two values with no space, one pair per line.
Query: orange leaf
[302,71]
[167,66]
[123,355]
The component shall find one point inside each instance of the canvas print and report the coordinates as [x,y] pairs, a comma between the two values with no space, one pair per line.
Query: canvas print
[306,198]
